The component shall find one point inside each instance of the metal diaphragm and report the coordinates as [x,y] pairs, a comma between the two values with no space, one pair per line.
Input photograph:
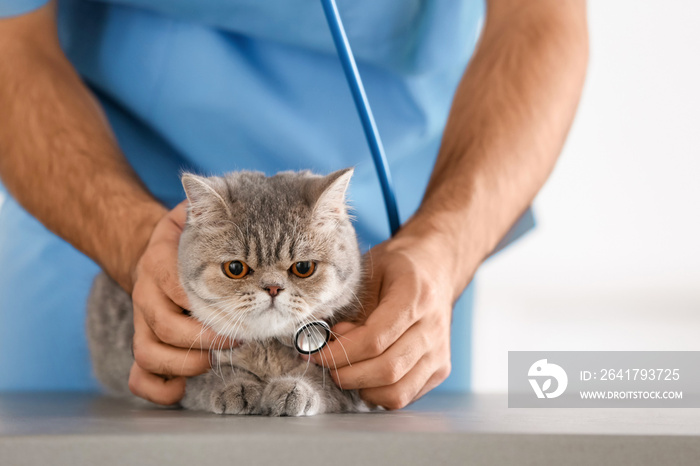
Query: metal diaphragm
[312,337]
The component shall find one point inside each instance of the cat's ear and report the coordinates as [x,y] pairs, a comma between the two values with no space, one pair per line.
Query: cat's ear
[330,204]
[205,195]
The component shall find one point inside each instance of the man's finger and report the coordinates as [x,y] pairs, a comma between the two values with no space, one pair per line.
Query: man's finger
[169,283]
[386,324]
[342,328]
[156,389]
[179,213]
[163,255]
[159,358]
[171,326]
[436,379]
[403,392]
[388,368]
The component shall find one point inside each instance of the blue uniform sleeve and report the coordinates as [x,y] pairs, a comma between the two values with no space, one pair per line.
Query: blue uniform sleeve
[19,7]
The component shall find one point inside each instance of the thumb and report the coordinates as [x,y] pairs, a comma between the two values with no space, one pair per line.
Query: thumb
[343,328]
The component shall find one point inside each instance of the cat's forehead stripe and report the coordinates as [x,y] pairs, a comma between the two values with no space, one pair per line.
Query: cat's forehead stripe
[258,246]
[267,246]
[246,245]
[292,246]
[278,247]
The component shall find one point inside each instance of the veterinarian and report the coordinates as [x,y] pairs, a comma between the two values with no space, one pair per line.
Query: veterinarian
[103,103]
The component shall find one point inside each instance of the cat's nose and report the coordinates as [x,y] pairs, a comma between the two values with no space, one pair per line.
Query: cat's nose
[273,290]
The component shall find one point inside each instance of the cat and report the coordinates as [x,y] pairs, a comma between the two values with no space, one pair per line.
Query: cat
[258,257]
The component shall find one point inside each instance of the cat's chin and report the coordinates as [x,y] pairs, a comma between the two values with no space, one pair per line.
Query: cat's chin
[262,322]
[261,328]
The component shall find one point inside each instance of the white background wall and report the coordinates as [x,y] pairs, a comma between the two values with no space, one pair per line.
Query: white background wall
[615,261]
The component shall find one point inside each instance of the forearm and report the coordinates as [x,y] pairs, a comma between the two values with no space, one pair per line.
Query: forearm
[59,159]
[509,119]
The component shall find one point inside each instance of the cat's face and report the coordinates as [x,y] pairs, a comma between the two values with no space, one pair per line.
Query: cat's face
[260,256]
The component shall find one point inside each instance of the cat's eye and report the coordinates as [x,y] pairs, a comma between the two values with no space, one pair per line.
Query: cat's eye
[235,269]
[303,269]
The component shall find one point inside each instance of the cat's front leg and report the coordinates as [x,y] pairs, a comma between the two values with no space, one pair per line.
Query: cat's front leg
[291,396]
[239,393]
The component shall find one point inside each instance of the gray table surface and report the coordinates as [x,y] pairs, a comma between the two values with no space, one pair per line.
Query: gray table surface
[84,429]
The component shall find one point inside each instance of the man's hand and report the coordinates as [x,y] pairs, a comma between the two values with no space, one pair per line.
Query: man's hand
[402,349]
[168,344]
[507,124]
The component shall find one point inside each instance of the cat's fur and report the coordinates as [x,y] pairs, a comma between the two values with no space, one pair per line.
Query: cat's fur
[269,223]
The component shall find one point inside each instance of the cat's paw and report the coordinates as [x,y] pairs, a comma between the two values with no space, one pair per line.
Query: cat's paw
[290,397]
[239,397]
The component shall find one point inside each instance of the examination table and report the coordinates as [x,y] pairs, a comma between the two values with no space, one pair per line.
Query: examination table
[88,429]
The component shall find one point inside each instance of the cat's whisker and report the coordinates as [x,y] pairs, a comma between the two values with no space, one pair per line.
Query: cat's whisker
[335,366]
[239,322]
[199,337]
[209,322]
[219,314]
[214,356]
[303,321]
[358,302]
[324,360]
[298,323]
[230,331]
[337,338]
[225,312]
[222,338]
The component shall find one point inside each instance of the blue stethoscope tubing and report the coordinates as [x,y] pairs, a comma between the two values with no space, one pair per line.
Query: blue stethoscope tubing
[363,109]
[312,337]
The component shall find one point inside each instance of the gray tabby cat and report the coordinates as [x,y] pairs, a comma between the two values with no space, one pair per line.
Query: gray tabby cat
[258,257]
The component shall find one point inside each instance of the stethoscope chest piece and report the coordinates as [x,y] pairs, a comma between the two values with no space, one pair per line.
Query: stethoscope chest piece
[312,337]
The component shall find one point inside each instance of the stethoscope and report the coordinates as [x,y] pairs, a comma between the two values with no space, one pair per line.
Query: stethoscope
[313,336]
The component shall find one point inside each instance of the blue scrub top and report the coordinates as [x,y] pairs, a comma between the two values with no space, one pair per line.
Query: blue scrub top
[221,85]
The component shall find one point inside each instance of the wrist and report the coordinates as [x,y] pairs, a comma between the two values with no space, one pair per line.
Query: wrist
[439,239]
[143,223]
